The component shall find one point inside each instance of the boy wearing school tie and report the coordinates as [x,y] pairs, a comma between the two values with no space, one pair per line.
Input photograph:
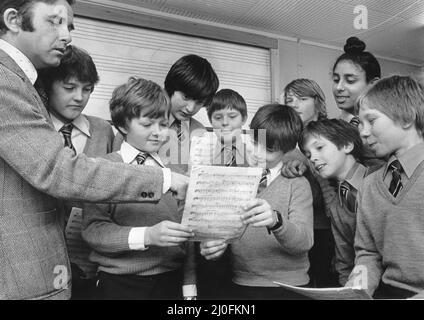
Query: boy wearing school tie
[390,222]
[334,148]
[68,88]
[139,248]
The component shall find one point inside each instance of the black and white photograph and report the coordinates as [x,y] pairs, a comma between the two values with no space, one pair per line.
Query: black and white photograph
[211,154]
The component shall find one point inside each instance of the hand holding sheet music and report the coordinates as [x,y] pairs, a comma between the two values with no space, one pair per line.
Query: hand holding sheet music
[214,199]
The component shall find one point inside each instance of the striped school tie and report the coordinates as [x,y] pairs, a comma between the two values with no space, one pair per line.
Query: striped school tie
[39,86]
[263,183]
[66,131]
[141,157]
[347,196]
[230,156]
[176,126]
[396,183]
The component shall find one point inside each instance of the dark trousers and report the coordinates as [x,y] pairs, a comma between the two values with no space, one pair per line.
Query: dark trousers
[264,293]
[82,288]
[321,255]
[385,291]
[213,277]
[164,286]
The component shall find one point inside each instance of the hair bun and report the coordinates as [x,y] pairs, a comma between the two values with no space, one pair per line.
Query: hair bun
[354,46]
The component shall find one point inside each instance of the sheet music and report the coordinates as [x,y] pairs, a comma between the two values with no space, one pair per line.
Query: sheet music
[214,197]
[202,149]
[344,293]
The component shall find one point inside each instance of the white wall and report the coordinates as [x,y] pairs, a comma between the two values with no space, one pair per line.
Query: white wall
[300,60]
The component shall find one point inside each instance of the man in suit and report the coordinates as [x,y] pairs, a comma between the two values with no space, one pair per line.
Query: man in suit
[35,168]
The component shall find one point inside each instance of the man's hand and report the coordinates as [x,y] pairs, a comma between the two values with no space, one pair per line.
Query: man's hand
[213,249]
[258,213]
[167,234]
[179,184]
[293,169]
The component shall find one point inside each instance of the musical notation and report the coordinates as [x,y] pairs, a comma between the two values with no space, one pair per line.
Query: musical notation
[214,199]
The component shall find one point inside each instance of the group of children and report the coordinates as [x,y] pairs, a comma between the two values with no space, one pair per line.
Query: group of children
[337,196]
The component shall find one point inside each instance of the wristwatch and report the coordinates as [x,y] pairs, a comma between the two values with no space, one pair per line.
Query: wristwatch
[279,222]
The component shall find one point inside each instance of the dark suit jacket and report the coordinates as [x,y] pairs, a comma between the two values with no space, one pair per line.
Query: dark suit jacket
[35,169]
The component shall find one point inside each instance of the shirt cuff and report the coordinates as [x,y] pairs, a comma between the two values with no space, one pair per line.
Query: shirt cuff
[136,238]
[190,290]
[166,179]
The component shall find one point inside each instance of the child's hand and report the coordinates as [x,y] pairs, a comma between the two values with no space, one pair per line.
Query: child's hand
[167,234]
[258,213]
[179,184]
[293,169]
[213,249]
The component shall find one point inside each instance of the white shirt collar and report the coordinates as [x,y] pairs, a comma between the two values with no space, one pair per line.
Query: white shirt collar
[129,153]
[275,172]
[80,122]
[21,60]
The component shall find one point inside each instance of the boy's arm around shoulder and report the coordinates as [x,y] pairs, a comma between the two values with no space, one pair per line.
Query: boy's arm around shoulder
[296,234]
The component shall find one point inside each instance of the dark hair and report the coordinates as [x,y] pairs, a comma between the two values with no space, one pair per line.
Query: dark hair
[337,131]
[227,98]
[194,77]
[308,88]
[401,98]
[138,97]
[77,63]
[24,11]
[355,52]
[282,124]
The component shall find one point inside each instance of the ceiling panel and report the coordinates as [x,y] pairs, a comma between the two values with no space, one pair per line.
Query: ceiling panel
[396,27]
[393,7]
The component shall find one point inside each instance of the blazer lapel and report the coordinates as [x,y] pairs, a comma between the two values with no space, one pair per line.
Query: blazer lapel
[10,64]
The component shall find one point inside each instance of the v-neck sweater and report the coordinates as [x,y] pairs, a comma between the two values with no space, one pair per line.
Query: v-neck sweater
[259,258]
[390,232]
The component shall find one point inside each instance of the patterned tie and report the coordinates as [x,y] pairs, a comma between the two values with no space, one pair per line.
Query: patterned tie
[141,157]
[176,126]
[66,130]
[230,156]
[263,183]
[347,196]
[354,121]
[38,85]
[396,183]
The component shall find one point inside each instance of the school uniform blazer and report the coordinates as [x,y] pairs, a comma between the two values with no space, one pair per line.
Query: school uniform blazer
[35,169]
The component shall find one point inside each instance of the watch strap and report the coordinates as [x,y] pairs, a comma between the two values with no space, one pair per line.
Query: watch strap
[278,224]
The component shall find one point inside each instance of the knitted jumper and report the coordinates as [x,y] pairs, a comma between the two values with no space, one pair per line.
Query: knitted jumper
[106,229]
[259,258]
[390,232]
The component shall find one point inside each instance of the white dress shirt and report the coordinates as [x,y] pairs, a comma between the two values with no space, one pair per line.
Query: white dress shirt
[80,132]
[274,173]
